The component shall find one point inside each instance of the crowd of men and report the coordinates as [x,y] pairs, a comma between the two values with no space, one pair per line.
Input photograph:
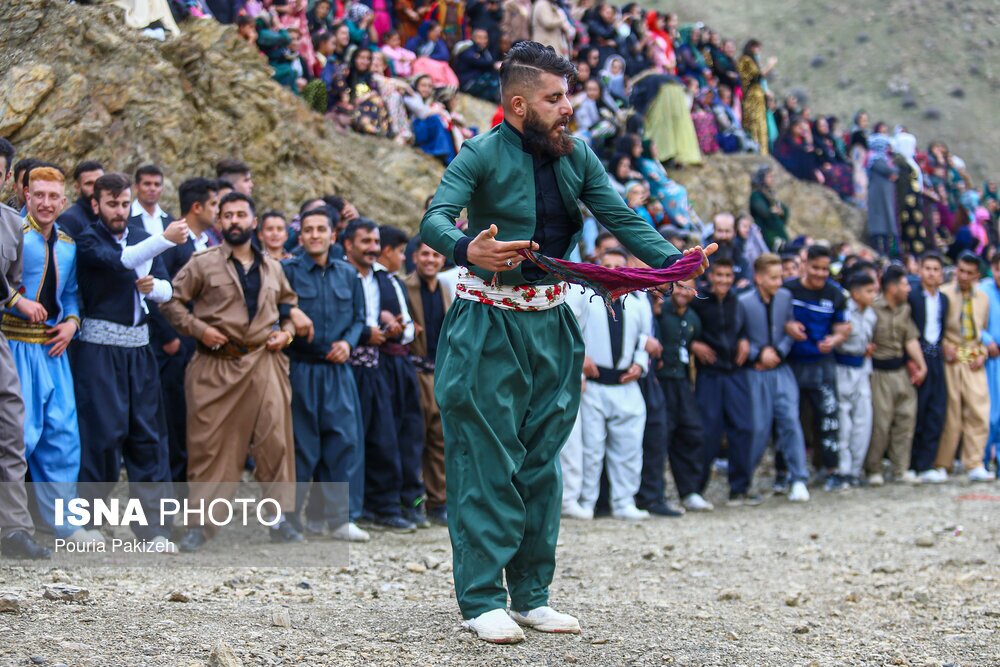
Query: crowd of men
[189,350]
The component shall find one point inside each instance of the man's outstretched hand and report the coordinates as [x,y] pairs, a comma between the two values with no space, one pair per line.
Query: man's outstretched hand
[709,250]
[487,253]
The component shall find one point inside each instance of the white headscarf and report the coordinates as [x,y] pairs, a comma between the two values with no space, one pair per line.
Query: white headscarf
[905,144]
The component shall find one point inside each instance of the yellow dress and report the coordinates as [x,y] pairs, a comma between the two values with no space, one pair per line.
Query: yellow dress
[669,126]
[754,104]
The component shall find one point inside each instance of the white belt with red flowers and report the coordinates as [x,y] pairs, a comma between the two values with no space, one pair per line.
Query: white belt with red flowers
[522,298]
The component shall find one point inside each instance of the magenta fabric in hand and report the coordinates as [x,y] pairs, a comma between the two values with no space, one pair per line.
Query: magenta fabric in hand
[612,284]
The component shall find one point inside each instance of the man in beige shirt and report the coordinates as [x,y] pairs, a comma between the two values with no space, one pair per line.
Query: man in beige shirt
[236,386]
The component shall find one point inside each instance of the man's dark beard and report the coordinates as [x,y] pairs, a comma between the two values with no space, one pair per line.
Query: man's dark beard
[237,235]
[114,225]
[538,138]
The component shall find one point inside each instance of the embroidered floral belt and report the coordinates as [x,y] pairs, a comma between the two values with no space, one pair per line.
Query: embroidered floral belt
[103,332]
[522,298]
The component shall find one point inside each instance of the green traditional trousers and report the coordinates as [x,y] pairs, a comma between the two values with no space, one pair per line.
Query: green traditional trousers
[508,386]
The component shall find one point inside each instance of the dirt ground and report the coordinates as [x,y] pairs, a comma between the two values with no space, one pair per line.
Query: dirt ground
[894,576]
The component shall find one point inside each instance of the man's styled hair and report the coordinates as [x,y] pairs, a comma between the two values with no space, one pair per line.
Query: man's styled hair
[147,170]
[765,261]
[243,20]
[721,258]
[7,152]
[861,279]
[195,191]
[354,225]
[893,274]
[818,251]
[113,183]
[270,214]
[46,174]
[231,167]
[238,196]
[968,257]
[86,166]
[526,61]
[617,250]
[23,167]
[313,212]
[392,237]
[931,256]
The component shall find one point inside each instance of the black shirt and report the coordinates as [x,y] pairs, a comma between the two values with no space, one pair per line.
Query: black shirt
[250,280]
[433,316]
[47,293]
[722,327]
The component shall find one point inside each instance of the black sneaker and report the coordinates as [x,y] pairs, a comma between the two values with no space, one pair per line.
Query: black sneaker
[396,524]
[744,500]
[20,545]
[663,509]
[417,516]
[285,533]
[193,540]
[438,516]
[315,528]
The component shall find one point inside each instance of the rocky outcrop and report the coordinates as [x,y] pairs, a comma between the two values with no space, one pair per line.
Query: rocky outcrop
[77,84]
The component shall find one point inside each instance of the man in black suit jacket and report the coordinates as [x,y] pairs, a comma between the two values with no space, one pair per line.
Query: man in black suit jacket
[146,211]
[929,308]
[199,199]
[80,215]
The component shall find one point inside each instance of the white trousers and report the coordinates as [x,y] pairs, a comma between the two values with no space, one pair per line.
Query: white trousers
[613,418]
[854,393]
[571,461]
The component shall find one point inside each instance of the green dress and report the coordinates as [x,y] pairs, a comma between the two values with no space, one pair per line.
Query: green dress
[508,382]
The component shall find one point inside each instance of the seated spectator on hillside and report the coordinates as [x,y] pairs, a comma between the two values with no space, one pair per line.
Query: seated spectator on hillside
[280,47]
[621,172]
[432,56]
[690,61]
[637,198]
[596,118]
[731,137]
[613,78]
[431,121]
[486,15]
[664,60]
[478,72]
[368,111]
[400,59]
[837,174]
[602,27]
[246,28]
[724,64]
[770,214]
[795,151]
[321,17]
[359,22]
[392,91]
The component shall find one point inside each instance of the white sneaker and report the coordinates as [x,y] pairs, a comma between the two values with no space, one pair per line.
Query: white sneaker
[547,619]
[943,474]
[933,476]
[495,627]
[574,510]
[349,532]
[799,493]
[980,474]
[876,480]
[631,513]
[693,502]
[164,545]
[910,477]
[85,536]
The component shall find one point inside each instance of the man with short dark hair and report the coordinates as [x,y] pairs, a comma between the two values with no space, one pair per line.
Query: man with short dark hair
[511,337]
[236,302]
[21,170]
[114,371]
[477,70]
[237,174]
[80,215]
[146,210]
[326,412]
[965,352]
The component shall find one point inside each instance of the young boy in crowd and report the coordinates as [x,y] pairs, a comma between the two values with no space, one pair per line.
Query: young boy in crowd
[854,369]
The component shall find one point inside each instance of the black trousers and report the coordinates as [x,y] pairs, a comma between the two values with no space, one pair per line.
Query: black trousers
[401,378]
[175,407]
[383,468]
[654,444]
[120,410]
[932,403]
[818,385]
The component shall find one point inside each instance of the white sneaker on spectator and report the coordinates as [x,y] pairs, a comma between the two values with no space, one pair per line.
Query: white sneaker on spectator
[349,532]
[630,513]
[85,536]
[799,493]
[942,473]
[980,474]
[693,502]
[910,477]
[574,510]
[547,619]
[876,480]
[933,476]
[164,545]
[495,627]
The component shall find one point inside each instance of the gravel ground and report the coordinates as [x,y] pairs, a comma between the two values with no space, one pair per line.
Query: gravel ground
[894,576]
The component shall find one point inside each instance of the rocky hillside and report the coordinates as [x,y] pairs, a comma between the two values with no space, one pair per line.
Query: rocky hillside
[76,83]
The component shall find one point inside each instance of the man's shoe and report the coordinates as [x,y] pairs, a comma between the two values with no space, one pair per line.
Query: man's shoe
[285,533]
[495,627]
[417,516]
[83,536]
[663,508]
[547,619]
[933,476]
[876,480]
[693,502]
[438,516]
[942,473]
[349,532]
[630,513]
[980,474]
[910,477]
[315,528]
[20,545]
[835,482]
[744,500]
[396,524]
[799,493]
[574,510]
[194,539]
[780,486]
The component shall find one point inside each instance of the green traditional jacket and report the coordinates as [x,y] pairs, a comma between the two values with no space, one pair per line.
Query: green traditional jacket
[493,177]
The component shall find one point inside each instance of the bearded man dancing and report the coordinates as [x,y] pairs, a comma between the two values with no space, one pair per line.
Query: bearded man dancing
[508,371]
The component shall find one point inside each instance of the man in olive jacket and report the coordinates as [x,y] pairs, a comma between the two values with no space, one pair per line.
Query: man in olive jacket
[508,370]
